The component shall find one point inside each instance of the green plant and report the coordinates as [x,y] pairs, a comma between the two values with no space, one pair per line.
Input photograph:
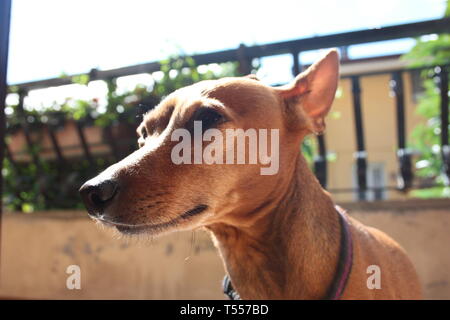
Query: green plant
[425,137]
[48,184]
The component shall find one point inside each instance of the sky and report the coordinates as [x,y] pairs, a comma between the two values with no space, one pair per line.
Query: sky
[51,37]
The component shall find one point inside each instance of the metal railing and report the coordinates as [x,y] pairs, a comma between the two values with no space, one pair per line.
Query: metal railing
[244,55]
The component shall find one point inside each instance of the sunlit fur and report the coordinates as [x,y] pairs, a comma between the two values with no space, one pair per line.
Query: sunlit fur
[278,236]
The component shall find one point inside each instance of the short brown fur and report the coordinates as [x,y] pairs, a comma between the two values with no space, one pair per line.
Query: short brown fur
[278,235]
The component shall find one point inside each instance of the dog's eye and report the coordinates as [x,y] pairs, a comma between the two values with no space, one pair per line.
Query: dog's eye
[209,117]
[144,133]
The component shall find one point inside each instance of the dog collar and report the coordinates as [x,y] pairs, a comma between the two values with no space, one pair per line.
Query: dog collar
[344,266]
[345,261]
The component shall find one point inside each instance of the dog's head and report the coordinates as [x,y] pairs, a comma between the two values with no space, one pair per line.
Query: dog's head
[189,170]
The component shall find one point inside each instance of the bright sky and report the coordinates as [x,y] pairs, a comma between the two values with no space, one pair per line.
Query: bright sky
[49,37]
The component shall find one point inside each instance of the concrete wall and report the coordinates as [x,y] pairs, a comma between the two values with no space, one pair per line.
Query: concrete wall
[37,248]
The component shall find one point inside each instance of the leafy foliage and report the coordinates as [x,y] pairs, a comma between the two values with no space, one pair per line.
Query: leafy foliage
[426,137]
[45,184]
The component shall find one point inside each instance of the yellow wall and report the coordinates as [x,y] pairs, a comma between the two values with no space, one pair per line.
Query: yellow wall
[379,120]
[37,248]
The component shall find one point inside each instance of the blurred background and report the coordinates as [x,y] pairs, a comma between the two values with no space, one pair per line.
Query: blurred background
[81,73]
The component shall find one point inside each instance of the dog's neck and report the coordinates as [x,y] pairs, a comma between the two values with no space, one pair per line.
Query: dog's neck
[291,250]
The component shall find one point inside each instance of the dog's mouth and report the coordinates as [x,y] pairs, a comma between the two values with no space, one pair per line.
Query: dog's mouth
[154,228]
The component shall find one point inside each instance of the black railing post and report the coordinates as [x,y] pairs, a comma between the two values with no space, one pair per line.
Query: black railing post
[84,144]
[32,150]
[405,176]
[296,67]
[56,147]
[112,142]
[245,62]
[445,148]
[320,162]
[5,19]
[361,154]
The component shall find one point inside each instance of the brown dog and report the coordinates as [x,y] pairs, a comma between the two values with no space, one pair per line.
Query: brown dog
[279,235]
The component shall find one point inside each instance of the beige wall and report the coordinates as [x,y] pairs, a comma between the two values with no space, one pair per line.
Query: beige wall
[422,228]
[379,121]
[37,248]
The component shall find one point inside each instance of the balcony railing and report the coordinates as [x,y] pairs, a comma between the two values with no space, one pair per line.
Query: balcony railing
[244,55]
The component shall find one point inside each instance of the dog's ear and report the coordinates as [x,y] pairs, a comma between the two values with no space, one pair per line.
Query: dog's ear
[314,89]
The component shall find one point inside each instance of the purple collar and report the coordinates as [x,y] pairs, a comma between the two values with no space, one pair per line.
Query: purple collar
[344,266]
[345,261]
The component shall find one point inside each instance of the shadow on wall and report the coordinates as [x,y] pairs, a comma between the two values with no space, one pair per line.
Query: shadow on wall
[38,248]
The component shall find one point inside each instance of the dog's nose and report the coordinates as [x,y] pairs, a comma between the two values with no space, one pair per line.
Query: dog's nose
[98,196]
